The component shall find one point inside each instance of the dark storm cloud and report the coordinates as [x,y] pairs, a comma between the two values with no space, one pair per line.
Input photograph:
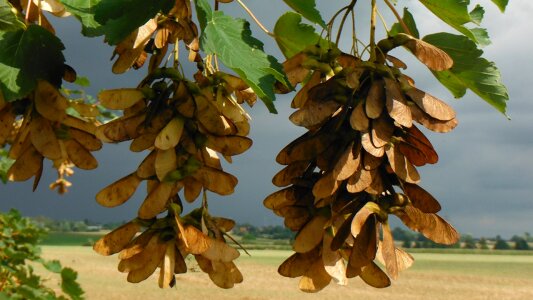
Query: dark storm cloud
[483,179]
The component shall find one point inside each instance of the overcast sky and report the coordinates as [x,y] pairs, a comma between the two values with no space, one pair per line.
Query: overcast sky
[484,179]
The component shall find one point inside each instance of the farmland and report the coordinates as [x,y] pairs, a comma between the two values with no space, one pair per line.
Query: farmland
[434,276]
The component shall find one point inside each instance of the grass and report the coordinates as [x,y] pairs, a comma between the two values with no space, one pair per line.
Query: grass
[434,276]
[71,238]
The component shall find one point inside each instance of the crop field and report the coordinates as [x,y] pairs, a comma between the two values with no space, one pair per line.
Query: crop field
[434,276]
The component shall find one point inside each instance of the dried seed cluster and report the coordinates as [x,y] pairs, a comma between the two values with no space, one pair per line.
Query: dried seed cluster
[39,127]
[165,244]
[356,165]
[186,126]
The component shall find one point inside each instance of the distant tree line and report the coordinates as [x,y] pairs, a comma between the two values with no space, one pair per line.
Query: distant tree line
[74,226]
[410,239]
[275,232]
[246,231]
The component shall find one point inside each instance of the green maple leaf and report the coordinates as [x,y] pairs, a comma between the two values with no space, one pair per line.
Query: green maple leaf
[293,36]
[455,13]
[28,55]
[307,8]
[9,21]
[470,70]
[122,17]
[84,11]
[232,41]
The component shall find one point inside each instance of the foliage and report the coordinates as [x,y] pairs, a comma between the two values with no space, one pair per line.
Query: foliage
[468,242]
[501,244]
[483,244]
[520,243]
[5,164]
[355,166]
[18,254]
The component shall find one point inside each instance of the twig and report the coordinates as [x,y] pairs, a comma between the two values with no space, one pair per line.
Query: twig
[255,18]
[349,9]
[28,9]
[383,21]
[373,31]
[397,15]
[39,11]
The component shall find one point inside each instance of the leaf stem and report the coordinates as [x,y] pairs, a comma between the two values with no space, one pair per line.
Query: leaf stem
[255,18]
[398,17]
[373,31]
[28,9]
[39,10]
[349,9]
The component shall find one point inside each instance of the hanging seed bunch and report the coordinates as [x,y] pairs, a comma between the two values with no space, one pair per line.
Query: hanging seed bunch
[155,37]
[45,124]
[166,243]
[356,164]
[47,128]
[186,126]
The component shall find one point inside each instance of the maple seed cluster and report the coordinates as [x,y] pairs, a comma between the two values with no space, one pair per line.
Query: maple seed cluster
[186,126]
[46,130]
[356,164]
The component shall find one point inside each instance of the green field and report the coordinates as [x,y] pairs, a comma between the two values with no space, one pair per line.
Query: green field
[71,238]
[434,276]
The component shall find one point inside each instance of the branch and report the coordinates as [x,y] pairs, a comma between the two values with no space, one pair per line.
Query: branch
[373,31]
[400,20]
[255,19]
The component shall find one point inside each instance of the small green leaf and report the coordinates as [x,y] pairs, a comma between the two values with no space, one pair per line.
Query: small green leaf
[28,55]
[293,36]
[82,81]
[307,8]
[53,266]
[409,21]
[455,13]
[502,4]
[69,285]
[204,12]
[122,17]
[5,164]
[83,10]
[470,70]
[9,21]
[232,41]
[477,14]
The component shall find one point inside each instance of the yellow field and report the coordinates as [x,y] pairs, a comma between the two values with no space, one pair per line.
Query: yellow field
[434,276]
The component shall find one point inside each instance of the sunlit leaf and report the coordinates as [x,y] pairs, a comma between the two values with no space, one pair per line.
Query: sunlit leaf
[455,13]
[84,11]
[409,21]
[232,41]
[502,4]
[293,36]
[69,285]
[470,70]
[122,17]
[307,8]
[9,21]
[28,55]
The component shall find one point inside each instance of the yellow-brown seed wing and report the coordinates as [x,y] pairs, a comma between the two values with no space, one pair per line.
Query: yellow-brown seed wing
[116,240]
[118,192]
[310,235]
